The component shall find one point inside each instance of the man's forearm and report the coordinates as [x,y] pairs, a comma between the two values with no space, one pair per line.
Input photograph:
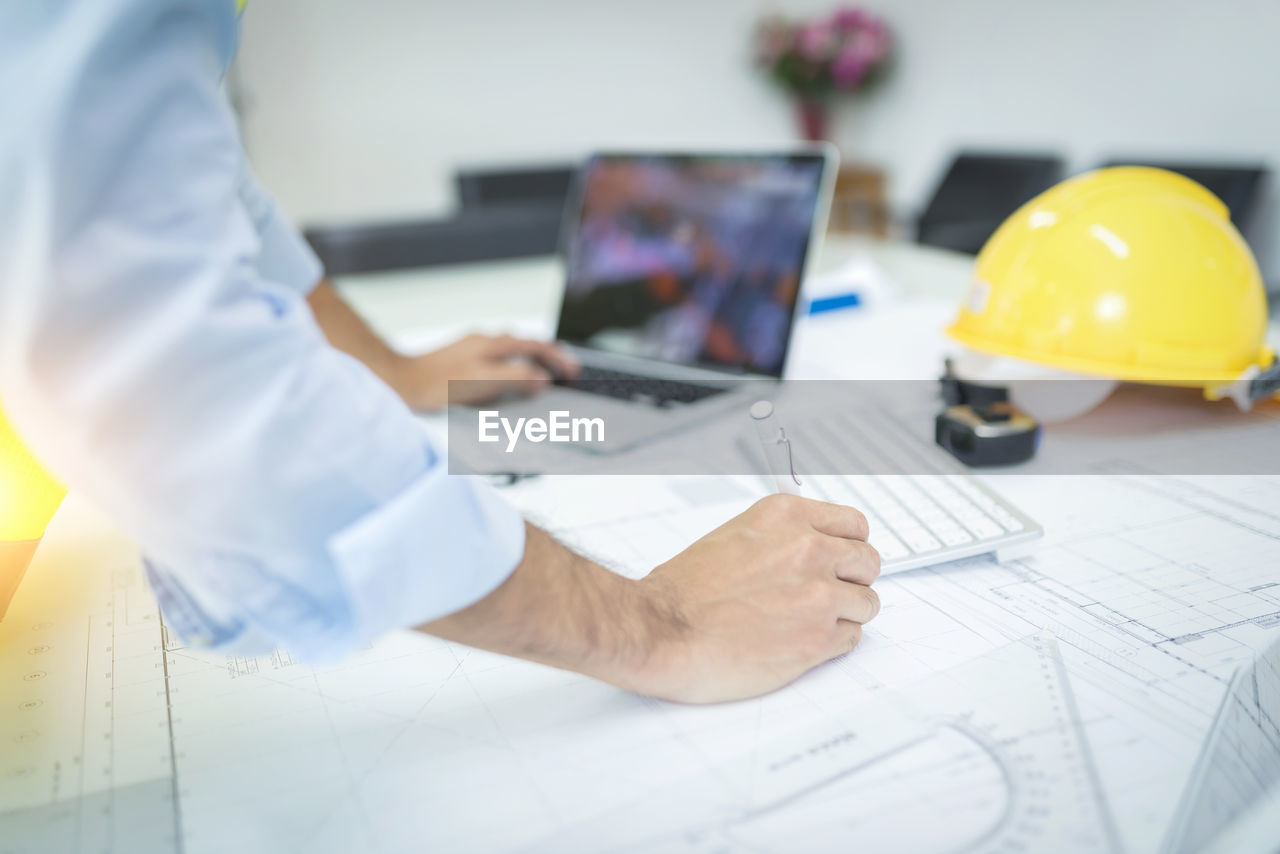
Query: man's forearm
[348,332]
[493,364]
[747,608]
[562,609]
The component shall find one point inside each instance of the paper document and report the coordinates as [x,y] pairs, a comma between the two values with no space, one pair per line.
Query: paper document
[117,738]
[989,756]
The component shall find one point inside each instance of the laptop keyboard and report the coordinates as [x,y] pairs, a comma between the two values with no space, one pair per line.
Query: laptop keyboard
[627,386]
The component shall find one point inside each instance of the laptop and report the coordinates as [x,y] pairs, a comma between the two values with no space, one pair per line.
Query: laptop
[682,279]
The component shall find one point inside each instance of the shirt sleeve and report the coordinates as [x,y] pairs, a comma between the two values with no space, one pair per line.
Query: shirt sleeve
[283,255]
[282,494]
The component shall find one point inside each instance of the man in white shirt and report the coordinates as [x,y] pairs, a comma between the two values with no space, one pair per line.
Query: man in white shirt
[158,351]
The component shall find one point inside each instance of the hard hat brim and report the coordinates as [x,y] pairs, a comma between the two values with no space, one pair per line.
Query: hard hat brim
[1111,370]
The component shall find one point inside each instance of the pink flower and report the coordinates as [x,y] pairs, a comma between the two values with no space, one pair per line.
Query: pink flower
[817,41]
[773,39]
[850,18]
[838,51]
[868,46]
[848,69]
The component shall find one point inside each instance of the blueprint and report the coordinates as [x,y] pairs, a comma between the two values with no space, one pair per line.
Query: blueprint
[85,750]
[1239,765]
[1075,686]
[995,748]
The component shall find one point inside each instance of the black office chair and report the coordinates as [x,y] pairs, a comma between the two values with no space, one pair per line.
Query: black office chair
[1239,186]
[977,193]
[505,213]
[481,188]
[507,231]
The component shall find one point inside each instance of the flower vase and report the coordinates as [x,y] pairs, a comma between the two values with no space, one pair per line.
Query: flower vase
[812,115]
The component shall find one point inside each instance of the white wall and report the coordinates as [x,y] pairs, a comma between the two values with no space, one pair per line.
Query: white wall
[356,109]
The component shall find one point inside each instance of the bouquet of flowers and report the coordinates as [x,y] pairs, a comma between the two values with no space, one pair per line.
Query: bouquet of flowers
[846,51]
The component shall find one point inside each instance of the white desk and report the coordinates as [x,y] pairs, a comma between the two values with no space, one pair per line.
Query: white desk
[903,341]
[400,302]
[113,736]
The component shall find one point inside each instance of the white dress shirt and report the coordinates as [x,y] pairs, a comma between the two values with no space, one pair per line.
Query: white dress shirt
[157,351]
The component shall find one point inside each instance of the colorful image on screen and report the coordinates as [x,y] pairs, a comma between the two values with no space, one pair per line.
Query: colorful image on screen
[696,259]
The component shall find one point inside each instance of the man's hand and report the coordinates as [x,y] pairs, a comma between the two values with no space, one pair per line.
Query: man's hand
[762,599]
[490,364]
[746,609]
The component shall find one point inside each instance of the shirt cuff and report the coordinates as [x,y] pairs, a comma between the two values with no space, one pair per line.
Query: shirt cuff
[444,543]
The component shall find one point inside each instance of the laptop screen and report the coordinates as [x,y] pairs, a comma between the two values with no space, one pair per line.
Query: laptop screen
[693,259]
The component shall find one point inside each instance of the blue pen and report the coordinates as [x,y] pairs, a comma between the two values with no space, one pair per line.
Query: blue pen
[832,303]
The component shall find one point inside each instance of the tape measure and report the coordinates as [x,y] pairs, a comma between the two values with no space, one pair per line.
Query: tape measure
[980,427]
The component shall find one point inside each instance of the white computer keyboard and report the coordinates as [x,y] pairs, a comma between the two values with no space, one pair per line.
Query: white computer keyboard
[917,520]
[921,506]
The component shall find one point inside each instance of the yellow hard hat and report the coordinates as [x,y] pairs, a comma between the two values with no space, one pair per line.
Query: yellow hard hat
[1130,273]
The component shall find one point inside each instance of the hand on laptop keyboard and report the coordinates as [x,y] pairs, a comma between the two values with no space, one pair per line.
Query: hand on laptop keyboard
[482,367]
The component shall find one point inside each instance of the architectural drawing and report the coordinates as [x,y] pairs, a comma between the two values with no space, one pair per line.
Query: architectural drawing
[1155,590]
